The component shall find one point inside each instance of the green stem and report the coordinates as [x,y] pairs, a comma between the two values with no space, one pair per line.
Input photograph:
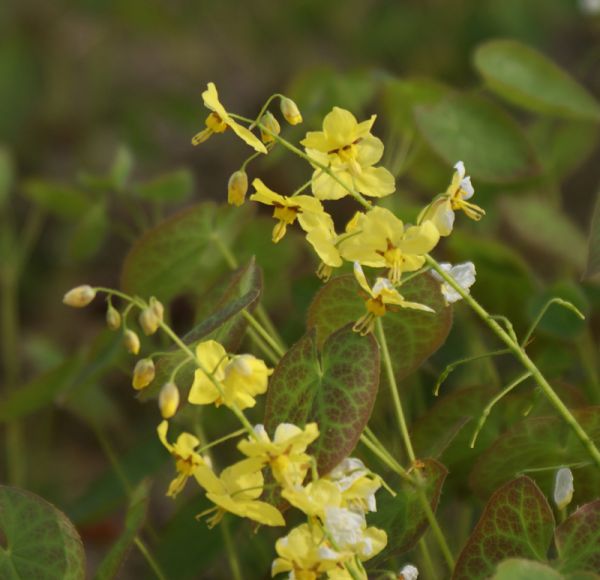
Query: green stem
[519,352]
[263,333]
[234,563]
[263,346]
[149,558]
[394,466]
[426,557]
[220,440]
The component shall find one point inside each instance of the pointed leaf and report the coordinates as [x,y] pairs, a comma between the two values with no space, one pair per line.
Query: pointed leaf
[402,516]
[170,187]
[37,540]
[519,569]
[517,522]
[412,336]
[336,388]
[578,540]
[527,78]
[61,200]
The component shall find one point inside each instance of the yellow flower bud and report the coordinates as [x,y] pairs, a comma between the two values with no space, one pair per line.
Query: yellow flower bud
[290,111]
[80,296]
[168,400]
[271,124]
[113,317]
[563,488]
[157,308]
[148,321]
[237,188]
[131,341]
[143,373]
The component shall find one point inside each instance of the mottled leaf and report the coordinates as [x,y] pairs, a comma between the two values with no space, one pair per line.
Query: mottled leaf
[527,78]
[578,540]
[519,569]
[335,387]
[37,540]
[517,523]
[593,253]
[412,336]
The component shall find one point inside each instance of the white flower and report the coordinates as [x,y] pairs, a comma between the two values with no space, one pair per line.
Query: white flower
[349,531]
[409,572]
[464,276]
[563,488]
[589,6]
[356,483]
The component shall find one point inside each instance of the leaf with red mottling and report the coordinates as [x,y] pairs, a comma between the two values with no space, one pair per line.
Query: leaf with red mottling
[335,387]
[402,516]
[517,523]
[578,540]
[412,335]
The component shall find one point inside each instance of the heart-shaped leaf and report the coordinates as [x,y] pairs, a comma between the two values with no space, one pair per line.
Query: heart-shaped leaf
[335,387]
[412,336]
[472,129]
[182,253]
[37,540]
[578,540]
[517,523]
[527,78]
[519,569]
[402,516]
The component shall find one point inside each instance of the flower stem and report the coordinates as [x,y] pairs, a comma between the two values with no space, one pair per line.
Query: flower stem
[149,558]
[234,563]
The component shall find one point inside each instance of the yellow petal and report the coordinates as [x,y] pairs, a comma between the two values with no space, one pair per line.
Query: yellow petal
[375,182]
[265,195]
[362,279]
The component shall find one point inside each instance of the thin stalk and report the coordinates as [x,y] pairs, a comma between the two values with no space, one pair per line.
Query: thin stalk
[426,557]
[234,563]
[384,458]
[519,352]
[263,333]
[220,440]
[263,346]
[149,558]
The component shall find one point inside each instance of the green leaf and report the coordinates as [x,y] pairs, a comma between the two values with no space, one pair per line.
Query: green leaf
[546,229]
[472,129]
[89,233]
[172,187]
[593,253]
[519,569]
[225,324]
[402,517]
[412,336]
[182,254]
[121,168]
[37,540]
[134,520]
[539,446]
[527,78]
[578,540]
[63,201]
[7,175]
[336,388]
[517,523]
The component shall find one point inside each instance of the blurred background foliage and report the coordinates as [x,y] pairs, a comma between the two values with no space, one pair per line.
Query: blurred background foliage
[98,102]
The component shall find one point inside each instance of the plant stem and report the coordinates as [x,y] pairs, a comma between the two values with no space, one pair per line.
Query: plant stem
[149,558]
[234,563]
[427,562]
[263,333]
[263,346]
[519,352]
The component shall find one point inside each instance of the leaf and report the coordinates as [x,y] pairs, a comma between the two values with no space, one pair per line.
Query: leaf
[538,224]
[472,129]
[37,540]
[171,187]
[593,253]
[7,175]
[516,522]
[578,540]
[539,446]
[134,520]
[225,324]
[181,254]
[525,77]
[412,336]
[519,569]
[121,168]
[89,233]
[336,388]
[63,201]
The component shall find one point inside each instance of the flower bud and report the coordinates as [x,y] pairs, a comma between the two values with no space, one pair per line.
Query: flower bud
[290,111]
[563,488]
[80,296]
[157,308]
[148,321]
[168,400]
[409,572]
[237,188]
[143,373]
[113,318]
[269,122]
[131,341]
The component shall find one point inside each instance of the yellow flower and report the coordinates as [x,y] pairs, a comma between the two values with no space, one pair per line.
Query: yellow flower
[290,111]
[357,484]
[350,151]
[187,461]
[240,378]
[324,239]
[314,498]
[237,491]
[384,242]
[143,373]
[305,208]
[219,120]
[441,210]
[381,295]
[285,454]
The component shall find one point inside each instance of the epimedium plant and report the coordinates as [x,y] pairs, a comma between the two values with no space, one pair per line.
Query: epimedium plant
[344,517]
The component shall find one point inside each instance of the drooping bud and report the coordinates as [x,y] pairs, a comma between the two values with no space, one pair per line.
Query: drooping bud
[168,400]
[563,488]
[143,373]
[237,188]
[290,111]
[113,318]
[148,321]
[157,308]
[271,124]
[131,341]
[80,296]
